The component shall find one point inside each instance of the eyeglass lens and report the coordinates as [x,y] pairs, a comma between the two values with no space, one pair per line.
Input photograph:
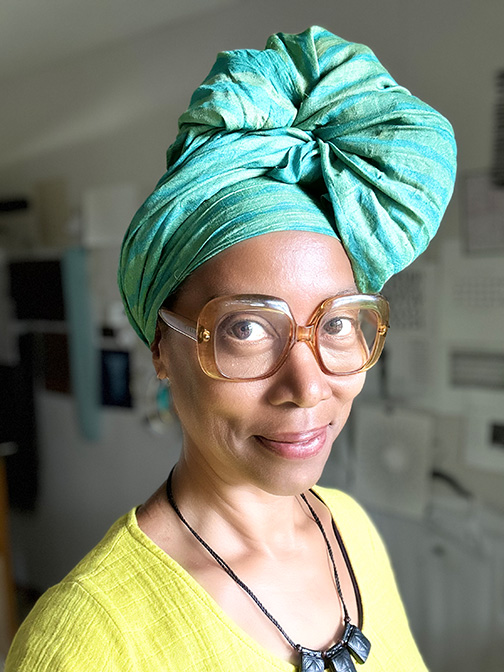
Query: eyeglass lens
[250,343]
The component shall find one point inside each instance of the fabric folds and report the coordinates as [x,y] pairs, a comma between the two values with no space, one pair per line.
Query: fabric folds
[315,117]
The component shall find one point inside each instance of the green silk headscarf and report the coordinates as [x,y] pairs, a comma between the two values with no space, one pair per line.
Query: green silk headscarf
[312,133]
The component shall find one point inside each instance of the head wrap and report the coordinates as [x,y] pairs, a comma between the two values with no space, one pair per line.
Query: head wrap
[311,133]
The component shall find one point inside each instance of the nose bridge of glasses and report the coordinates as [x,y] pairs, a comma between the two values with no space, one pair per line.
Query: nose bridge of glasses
[305,334]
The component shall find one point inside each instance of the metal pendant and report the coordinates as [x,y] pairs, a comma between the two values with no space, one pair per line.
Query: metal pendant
[311,661]
[339,657]
[357,642]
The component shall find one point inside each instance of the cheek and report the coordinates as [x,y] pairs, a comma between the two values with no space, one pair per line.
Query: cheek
[344,392]
[358,383]
[201,401]
[346,388]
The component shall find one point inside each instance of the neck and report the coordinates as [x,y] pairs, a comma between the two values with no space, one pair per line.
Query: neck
[256,518]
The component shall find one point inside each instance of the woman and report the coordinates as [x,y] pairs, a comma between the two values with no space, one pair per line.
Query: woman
[302,177]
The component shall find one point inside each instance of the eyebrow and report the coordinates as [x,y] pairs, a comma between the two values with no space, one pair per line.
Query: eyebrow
[343,292]
[348,292]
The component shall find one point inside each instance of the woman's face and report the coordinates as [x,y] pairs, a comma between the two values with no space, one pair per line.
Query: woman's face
[274,434]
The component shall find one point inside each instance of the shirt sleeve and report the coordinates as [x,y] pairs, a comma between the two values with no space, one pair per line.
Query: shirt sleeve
[68,630]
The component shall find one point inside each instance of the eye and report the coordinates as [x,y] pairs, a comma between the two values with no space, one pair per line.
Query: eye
[247,330]
[338,326]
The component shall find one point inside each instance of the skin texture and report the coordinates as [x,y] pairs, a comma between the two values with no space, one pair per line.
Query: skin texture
[250,448]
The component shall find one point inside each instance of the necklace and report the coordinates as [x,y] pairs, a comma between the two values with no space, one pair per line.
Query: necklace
[353,644]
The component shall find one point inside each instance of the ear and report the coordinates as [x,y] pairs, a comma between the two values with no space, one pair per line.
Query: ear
[157,354]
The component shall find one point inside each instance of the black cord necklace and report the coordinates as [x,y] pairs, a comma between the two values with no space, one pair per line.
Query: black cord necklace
[353,644]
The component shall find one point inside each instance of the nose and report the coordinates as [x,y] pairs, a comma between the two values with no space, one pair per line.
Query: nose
[300,380]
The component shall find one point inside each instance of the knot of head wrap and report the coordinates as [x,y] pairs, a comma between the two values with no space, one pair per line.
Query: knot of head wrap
[313,126]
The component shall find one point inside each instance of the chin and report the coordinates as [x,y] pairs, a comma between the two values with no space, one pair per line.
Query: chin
[289,480]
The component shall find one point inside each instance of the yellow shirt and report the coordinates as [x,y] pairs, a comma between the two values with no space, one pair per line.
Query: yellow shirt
[128,606]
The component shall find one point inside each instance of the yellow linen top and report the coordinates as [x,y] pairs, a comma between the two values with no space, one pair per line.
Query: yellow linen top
[128,606]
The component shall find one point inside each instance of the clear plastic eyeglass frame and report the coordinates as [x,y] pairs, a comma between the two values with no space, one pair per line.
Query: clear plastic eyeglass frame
[204,331]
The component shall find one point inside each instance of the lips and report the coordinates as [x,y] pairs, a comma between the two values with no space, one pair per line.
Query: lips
[296,446]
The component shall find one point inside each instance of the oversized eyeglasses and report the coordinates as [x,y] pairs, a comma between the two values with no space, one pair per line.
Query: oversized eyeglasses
[248,337]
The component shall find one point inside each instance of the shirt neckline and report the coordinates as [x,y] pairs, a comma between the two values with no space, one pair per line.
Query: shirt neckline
[211,604]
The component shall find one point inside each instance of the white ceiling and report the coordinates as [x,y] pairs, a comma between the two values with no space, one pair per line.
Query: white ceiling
[37,33]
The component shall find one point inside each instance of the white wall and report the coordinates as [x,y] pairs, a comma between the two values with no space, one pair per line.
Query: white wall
[108,117]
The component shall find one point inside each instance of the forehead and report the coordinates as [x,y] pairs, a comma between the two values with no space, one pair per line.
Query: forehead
[302,268]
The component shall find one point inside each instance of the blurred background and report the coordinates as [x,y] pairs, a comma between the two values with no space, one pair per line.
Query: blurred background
[90,96]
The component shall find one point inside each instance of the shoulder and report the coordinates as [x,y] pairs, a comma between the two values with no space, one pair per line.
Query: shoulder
[76,622]
[384,615]
[122,604]
[355,527]
[345,510]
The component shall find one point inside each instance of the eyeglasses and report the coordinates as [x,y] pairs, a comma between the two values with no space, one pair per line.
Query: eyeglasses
[248,337]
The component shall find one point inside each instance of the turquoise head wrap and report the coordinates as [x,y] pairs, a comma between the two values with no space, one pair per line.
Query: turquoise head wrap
[312,133]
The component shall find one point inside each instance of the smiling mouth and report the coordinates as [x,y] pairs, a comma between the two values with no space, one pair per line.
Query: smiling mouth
[296,446]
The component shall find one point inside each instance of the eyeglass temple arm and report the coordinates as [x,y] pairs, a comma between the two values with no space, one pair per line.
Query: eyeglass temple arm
[180,324]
